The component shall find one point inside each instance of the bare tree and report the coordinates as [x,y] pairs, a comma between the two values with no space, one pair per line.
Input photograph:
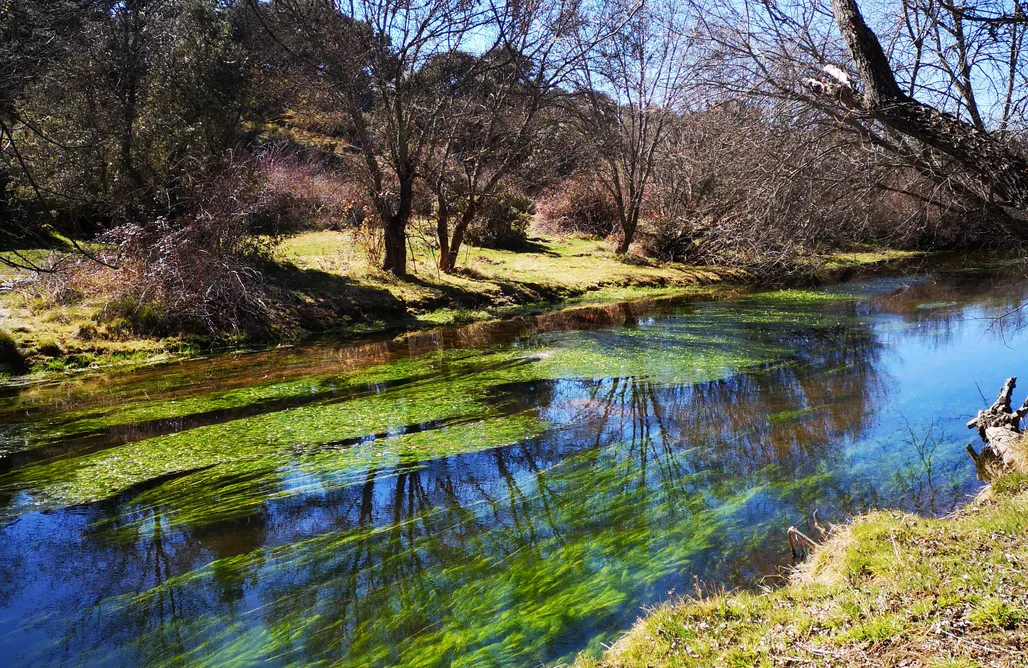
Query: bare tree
[484,136]
[372,55]
[957,69]
[1000,167]
[495,120]
[630,89]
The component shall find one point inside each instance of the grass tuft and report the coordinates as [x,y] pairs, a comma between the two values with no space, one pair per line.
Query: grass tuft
[11,360]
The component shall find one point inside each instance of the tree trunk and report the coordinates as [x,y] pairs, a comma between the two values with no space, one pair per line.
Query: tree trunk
[396,228]
[628,228]
[1002,171]
[5,182]
[458,236]
[442,230]
[131,72]
[999,427]
[395,238]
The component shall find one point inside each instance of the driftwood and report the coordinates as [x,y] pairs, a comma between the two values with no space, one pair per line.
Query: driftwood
[799,542]
[999,427]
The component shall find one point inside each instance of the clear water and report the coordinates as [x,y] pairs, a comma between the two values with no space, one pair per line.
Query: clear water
[502,494]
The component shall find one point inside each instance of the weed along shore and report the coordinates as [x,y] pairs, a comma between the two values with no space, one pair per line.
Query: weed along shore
[886,588]
[321,284]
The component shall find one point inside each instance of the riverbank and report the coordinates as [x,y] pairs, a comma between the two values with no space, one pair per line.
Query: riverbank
[515,490]
[886,589]
[323,284]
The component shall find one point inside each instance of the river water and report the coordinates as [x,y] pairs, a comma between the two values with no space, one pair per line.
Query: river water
[502,494]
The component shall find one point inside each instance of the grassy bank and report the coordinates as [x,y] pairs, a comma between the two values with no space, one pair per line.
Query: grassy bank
[325,283]
[887,589]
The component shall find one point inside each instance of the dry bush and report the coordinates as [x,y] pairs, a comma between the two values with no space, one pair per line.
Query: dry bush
[579,205]
[300,193]
[194,270]
[734,186]
[369,239]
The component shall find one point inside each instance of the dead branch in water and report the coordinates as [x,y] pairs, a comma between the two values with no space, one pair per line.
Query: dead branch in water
[999,427]
[797,538]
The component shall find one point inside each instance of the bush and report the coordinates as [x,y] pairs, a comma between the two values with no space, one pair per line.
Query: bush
[672,241]
[300,193]
[193,270]
[579,206]
[713,199]
[502,223]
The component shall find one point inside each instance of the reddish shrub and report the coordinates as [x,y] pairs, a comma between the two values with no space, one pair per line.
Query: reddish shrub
[301,193]
[579,206]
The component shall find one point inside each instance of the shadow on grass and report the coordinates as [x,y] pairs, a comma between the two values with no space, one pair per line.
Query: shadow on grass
[324,300]
[11,359]
[16,237]
[536,245]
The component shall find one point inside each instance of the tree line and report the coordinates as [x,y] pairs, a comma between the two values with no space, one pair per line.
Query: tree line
[698,131]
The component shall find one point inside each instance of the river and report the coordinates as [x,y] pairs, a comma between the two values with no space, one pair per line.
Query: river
[501,494]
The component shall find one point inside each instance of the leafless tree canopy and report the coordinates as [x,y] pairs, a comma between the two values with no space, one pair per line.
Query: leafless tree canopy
[746,132]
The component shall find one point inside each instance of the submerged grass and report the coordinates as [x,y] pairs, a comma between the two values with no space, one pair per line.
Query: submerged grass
[432,405]
[483,559]
[887,589]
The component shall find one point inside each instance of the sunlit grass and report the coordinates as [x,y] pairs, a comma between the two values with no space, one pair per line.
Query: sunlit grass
[325,282]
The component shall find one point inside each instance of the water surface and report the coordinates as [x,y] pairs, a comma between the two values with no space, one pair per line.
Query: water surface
[500,494]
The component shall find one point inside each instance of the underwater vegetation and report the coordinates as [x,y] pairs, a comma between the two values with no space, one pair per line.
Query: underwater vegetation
[498,495]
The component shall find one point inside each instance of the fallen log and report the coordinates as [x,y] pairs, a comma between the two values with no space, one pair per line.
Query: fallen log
[999,427]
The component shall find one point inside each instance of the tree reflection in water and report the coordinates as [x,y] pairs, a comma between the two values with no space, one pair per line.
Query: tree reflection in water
[515,554]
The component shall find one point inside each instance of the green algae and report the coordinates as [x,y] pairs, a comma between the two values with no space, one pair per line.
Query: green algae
[506,504]
[702,342]
[325,388]
[505,609]
[383,401]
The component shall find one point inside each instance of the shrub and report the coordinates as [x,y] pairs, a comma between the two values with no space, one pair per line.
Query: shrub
[193,270]
[672,240]
[502,222]
[579,206]
[300,193]
[190,275]
[713,199]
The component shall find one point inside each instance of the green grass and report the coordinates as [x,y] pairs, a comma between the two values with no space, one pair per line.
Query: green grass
[548,269]
[868,257]
[889,588]
[325,283]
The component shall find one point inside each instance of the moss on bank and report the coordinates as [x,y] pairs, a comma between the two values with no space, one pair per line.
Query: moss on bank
[887,589]
[325,283]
